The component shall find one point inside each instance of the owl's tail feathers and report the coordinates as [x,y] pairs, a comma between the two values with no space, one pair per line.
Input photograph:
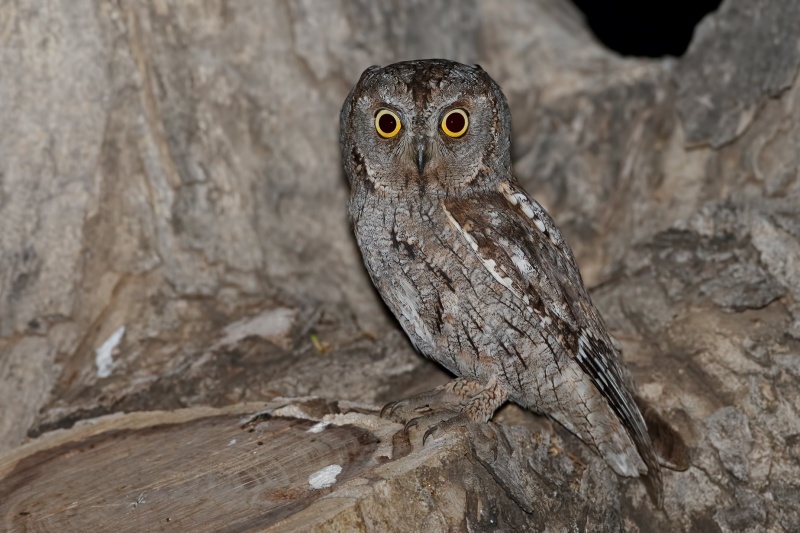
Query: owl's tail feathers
[670,449]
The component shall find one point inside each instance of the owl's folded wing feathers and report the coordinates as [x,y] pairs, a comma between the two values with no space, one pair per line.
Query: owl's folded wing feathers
[540,269]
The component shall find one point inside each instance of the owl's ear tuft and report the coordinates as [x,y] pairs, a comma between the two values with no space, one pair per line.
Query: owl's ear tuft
[478,67]
[368,72]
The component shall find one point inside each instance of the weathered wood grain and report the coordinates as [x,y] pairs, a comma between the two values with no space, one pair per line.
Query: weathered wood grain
[304,465]
[201,470]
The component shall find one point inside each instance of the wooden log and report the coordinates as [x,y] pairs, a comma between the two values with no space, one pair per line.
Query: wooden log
[304,465]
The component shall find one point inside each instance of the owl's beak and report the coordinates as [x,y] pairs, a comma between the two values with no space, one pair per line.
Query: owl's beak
[422,156]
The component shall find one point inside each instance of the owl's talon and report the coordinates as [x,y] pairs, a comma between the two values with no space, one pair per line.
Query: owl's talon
[431,430]
[388,409]
[411,423]
[459,420]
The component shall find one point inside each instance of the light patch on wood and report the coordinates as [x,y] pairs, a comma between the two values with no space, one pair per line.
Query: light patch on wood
[324,477]
[319,426]
[273,325]
[105,353]
[253,416]
[291,411]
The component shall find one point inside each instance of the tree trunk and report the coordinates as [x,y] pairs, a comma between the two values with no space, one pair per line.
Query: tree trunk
[173,235]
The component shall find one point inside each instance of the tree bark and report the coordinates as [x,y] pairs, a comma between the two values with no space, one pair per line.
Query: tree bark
[173,235]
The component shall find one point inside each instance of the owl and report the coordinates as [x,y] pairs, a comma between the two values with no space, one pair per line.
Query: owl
[476,271]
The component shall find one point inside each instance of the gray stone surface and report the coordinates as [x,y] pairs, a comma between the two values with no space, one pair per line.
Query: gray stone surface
[724,79]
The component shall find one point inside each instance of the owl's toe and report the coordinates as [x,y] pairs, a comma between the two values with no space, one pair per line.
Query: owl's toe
[431,420]
[389,408]
[449,396]
[405,410]
[457,421]
[454,404]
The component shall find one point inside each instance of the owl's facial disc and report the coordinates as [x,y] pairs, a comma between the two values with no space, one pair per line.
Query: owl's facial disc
[428,127]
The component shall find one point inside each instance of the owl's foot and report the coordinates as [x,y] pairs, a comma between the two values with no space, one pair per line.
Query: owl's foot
[448,397]
[478,408]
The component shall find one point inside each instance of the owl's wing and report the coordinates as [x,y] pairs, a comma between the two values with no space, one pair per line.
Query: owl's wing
[522,248]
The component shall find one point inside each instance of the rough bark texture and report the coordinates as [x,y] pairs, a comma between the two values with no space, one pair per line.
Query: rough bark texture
[172,167]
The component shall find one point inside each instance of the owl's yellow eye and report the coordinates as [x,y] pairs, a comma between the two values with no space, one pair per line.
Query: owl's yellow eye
[387,123]
[455,123]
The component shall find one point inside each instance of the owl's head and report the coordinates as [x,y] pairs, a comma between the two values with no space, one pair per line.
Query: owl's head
[426,127]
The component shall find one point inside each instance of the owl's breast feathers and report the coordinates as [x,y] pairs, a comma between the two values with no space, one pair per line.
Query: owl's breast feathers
[523,250]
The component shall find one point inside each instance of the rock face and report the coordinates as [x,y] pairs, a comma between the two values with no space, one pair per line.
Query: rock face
[173,230]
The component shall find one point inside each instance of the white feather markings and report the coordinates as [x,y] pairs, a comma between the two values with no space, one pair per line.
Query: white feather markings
[586,353]
[489,264]
[521,262]
[524,203]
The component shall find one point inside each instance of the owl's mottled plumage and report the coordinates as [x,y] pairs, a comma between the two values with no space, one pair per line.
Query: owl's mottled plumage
[474,269]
